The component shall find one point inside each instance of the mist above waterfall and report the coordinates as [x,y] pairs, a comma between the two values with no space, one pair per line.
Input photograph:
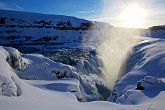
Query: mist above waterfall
[113,50]
[113,44]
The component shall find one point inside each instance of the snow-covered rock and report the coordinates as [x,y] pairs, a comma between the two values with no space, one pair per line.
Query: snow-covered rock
[7,85]
[147,82]
[146,89]
[14,59]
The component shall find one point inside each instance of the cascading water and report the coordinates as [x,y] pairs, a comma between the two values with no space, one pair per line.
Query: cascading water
[112,46]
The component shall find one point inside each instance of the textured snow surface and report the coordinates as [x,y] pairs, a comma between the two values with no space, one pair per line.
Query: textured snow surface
[144,80]
[41,68]
[7,85]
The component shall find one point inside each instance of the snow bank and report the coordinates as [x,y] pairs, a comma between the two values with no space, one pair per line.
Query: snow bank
[7,85]
[69,85]
[145,69]
[146,89]
[31,66]
[35,66]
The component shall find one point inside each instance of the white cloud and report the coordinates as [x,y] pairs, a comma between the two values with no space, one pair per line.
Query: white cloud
[86,12]
[10,6]
[18,7]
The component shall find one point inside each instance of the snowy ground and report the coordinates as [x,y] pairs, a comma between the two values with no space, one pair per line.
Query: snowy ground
[142,88]
[35,98]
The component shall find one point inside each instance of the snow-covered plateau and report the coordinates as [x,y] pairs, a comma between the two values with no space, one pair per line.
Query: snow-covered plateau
[63,73]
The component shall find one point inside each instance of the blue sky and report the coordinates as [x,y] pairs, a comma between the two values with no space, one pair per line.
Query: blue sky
[100,10]
[78,8]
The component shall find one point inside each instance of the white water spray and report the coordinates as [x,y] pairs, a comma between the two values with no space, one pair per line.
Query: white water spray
[114,45]
[114,50]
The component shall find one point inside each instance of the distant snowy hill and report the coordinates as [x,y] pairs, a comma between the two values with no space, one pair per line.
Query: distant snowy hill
[41,29]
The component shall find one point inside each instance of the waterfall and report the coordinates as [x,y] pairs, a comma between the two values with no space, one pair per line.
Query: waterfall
[114,50]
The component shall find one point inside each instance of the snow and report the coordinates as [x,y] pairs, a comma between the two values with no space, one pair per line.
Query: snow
[62,94]
[62,85]
[148,93]
[35,27]
[144,80]
[42,68]
[33,30]
[7,85]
